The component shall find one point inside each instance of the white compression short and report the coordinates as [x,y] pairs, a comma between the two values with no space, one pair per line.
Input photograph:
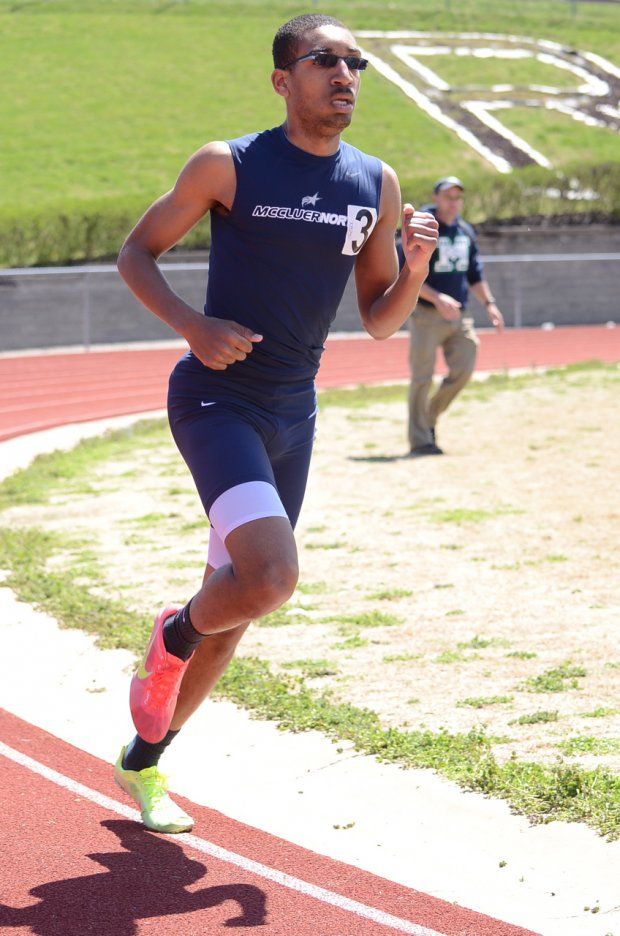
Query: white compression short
[240,504]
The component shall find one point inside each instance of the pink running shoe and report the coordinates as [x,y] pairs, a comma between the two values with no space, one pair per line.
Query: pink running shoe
[155,684]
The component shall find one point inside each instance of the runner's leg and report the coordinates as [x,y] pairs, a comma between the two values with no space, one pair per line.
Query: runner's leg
[259,549]
[217,650]
[206,666]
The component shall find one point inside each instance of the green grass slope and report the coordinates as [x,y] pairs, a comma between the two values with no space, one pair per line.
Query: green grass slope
[103,101]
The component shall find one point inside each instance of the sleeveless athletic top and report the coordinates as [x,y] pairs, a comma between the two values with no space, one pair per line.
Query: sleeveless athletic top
[280,259]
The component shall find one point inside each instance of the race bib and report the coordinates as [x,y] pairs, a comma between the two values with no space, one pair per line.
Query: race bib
[360,225]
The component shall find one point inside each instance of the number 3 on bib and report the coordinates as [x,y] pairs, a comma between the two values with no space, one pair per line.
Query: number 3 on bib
[360,224]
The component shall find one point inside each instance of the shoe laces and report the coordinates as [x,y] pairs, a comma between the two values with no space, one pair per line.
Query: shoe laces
[155,785]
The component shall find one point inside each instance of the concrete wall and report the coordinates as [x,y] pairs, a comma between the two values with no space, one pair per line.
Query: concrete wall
[68,309]
[574,292]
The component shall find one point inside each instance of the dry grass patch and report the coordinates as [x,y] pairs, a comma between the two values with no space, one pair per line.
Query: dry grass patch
[446,581]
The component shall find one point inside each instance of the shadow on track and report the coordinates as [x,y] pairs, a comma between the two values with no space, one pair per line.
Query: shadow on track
[148,879]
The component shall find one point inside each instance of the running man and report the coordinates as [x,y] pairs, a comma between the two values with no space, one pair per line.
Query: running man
[293,210]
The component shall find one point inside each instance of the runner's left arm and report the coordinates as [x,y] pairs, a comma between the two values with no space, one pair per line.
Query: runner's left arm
[386,297]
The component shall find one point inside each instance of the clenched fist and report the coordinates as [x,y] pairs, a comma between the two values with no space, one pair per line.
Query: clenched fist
[220,342]
[419,237]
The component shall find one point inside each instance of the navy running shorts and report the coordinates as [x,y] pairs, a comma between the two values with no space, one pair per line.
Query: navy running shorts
[232,433]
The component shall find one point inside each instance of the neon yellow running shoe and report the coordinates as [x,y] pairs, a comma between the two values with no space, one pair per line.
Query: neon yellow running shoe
[149,789]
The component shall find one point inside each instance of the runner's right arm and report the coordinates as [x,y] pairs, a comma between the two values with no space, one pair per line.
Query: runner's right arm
[207,181]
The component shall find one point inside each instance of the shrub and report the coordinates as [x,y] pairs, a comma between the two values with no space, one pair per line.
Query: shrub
[75,231]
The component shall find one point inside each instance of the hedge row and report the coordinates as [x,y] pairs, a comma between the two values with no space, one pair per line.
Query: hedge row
[79,231]
[75,232]
[536,192]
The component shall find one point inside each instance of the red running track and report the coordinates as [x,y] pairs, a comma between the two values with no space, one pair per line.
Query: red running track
[41,391]
[75,862]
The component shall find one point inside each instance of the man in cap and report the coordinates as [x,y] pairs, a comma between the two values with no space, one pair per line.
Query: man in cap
[439,317]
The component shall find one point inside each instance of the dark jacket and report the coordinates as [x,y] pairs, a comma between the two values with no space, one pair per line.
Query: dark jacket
[455,264]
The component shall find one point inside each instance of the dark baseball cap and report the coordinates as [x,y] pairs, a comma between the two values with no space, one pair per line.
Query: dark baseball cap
[449,182]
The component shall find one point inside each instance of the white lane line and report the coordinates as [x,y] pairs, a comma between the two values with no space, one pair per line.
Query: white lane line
[222,854]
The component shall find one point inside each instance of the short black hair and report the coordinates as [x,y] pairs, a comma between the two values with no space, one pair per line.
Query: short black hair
[288,36]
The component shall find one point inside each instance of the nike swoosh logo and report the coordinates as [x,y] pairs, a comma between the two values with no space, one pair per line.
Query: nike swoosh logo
[142,672]
[202,403]
[314,412]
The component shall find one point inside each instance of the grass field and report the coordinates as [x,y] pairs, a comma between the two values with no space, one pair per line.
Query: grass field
[470,628]
[476,72]
[104,101]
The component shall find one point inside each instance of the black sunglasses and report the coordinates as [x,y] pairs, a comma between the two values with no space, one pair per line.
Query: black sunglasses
[330,60]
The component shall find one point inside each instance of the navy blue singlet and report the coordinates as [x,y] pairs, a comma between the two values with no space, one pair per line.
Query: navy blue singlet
[281,258]
[279,263]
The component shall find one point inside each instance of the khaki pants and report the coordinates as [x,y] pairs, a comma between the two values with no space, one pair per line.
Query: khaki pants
[459,343]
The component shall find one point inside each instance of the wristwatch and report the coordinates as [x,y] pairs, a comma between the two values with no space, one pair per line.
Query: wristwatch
[490,301]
